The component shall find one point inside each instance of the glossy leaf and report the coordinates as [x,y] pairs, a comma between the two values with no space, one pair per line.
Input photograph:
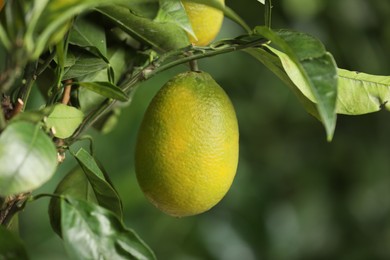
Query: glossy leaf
[310,67]
[161,36]
[173,11]
[90,36]
[119,60]
[28,158]
[105,89]
[92,232]
[105,193]
[11,247]
[64,120]
[273,63]
[361,93]
[76,185]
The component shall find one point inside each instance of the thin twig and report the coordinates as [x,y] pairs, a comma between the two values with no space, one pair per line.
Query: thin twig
[67,90]
[167,61]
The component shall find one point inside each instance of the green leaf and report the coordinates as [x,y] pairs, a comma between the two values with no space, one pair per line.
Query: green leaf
[90,36]
[173,11]
[161,36]
[361,93]
[83,64]
[76,185]
[64,120]
[273,63]
[105,89]
[28,158]
[310,67]
[11,247]
[105,193]
[92,232]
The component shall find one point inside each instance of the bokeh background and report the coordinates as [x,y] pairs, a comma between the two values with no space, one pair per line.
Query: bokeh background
[295,196]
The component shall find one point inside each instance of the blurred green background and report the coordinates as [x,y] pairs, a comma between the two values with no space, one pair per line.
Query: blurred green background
[295,196]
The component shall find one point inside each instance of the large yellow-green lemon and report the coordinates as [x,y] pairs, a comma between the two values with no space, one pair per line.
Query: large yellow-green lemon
[206,21]
[187,146]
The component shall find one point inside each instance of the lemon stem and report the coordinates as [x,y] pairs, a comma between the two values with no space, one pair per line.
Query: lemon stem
[194,65]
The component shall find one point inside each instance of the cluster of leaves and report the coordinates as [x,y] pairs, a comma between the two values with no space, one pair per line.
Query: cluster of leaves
[87,58]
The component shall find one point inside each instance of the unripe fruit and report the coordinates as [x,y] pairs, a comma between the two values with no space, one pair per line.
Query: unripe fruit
[187,147]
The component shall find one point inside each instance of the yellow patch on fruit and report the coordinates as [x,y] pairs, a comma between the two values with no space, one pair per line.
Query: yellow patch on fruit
[187,147]
[206,21]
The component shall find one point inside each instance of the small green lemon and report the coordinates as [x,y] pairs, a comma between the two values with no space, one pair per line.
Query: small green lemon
[206,21]
[187,146]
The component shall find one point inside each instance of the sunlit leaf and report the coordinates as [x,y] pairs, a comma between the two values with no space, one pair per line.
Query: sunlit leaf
[173,11]
[64,120]
[28,158]
[105,193]
[11,247]
[310,67]
[361,93]
[92,232]
[273,63]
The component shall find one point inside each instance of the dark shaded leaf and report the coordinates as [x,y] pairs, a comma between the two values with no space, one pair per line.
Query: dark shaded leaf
[83,64]
[90,36]
[161,36]
[105,89]
[76,185]
[105,193]
[11,247]
[92,232]
[28,158]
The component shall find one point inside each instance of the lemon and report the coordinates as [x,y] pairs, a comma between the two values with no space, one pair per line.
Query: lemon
[187,146]
[206,21]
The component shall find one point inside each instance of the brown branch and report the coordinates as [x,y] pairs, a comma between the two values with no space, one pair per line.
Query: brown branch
[67,90]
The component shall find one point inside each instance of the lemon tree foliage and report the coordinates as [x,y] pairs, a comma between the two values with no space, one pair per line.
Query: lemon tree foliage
[87,58]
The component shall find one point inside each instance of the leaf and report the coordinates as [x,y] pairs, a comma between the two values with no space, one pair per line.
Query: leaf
[51,17]
[11,246]
[173,11]
[273,63]
[105,193]
[90,36]
[361,93]
[28,158]
[310,67]
[92,232]
[64,120]
[76,185]
[161,36]
[105,89]
[84,64]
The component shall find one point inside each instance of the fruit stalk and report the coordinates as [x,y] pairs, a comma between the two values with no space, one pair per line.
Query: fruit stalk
[164,62]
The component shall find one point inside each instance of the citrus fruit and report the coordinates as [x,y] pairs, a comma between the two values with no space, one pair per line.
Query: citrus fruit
[206,21]
[187,146]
